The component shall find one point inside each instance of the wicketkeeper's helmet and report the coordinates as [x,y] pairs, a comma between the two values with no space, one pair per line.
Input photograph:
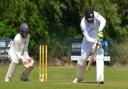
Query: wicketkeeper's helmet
[24,27]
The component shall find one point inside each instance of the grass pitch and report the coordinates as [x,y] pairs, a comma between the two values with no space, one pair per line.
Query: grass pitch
[61,78]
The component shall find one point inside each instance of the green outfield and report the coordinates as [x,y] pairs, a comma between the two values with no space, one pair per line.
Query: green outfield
[61,78]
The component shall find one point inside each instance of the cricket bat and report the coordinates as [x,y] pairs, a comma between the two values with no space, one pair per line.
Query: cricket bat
[91,58]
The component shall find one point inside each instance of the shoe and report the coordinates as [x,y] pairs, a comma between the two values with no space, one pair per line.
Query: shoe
[24,77]
[77,80]
[7,79]
[101,82]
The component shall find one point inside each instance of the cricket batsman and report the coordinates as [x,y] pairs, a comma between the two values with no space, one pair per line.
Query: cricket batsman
[19,51]
[92,25]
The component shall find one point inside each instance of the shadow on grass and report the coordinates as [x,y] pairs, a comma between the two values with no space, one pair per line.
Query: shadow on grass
[89,82]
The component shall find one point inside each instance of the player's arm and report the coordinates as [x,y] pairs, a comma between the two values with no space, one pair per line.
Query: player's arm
[101,19]
[26,47]
[17,49]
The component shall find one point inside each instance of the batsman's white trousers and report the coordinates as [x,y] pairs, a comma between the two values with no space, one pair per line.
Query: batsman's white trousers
[100,65]
[86,49]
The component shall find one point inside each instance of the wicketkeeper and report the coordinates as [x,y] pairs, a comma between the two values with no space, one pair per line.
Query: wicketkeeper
[19,51]
[91,25]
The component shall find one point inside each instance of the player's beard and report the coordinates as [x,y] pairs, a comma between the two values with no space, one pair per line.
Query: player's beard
[24,35]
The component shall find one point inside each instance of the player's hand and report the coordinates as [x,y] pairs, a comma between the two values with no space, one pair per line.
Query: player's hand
[24,60]
[29,63]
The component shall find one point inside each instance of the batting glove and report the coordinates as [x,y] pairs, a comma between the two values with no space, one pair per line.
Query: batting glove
[99,36]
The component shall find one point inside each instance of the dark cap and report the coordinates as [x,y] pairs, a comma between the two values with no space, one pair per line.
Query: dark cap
[89,15]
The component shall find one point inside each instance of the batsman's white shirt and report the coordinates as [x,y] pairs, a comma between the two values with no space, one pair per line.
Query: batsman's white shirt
[90,31]
[19,48]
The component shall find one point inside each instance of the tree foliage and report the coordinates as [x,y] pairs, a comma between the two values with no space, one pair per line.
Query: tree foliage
[53,20]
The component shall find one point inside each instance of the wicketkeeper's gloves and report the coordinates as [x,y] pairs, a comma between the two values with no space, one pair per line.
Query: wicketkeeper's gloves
[29,63]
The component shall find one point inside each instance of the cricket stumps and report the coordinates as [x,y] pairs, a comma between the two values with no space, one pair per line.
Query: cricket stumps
[43,63]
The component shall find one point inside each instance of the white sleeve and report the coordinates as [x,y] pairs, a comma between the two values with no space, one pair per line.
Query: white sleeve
[16,44]
[85,32]
[101,19]
[26,44]
[17,47]
[26,47]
